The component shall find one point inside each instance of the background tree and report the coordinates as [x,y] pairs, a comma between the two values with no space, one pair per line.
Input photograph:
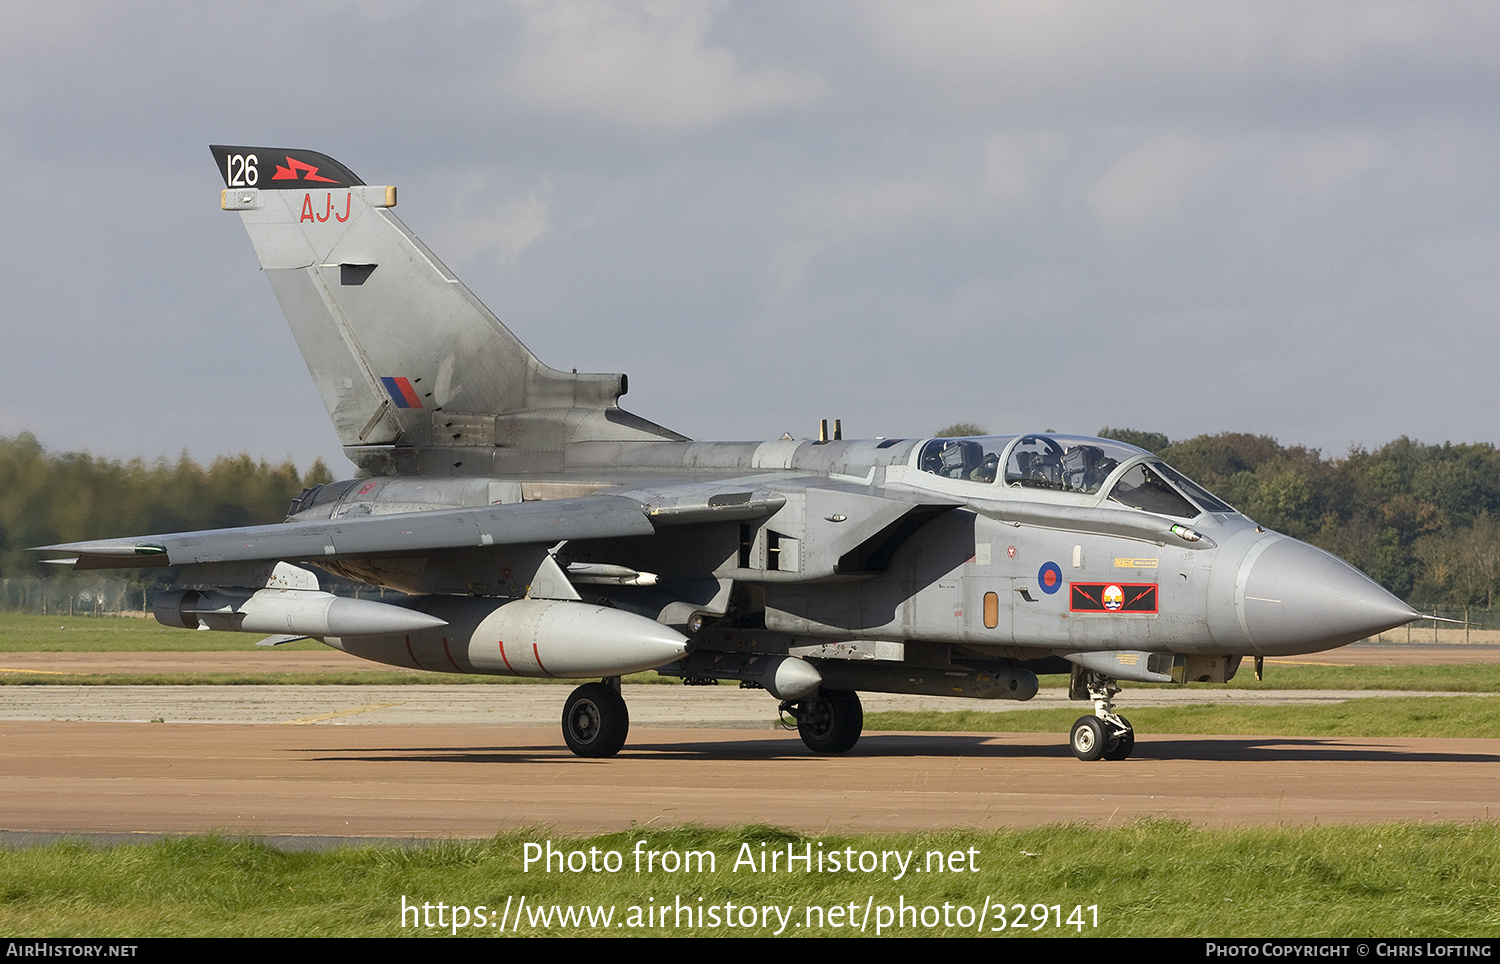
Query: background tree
[1150,441]
[47,499]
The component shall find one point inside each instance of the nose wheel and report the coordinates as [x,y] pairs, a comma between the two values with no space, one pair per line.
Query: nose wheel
[1106,735]
[1088,739]
[1123,742]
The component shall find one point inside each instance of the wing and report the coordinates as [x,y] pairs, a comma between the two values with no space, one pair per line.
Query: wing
[547,522]
[499,549]
[411,533]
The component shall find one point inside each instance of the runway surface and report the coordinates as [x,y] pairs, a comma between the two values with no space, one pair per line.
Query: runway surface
[723,707]
[467,761]
[465,781]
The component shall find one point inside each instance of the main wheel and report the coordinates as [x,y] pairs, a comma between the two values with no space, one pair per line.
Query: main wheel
[1088,739]
[595,721]
[831,721]
[1120,746]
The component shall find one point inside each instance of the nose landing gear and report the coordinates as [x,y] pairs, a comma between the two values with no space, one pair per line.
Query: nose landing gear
[1106,735]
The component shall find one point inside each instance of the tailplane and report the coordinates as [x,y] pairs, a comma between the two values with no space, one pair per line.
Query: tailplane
[403,355]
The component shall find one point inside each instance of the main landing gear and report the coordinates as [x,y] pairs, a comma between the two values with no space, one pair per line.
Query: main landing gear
[1106,735]
[829,722]
[595,720]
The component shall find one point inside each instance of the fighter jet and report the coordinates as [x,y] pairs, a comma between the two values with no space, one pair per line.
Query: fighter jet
[540,530]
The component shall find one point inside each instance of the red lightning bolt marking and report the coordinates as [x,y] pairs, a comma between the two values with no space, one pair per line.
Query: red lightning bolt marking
[289,173]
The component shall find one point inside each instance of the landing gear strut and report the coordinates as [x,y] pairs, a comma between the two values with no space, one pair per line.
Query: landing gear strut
[1106,735]
[829,722]
[595,720]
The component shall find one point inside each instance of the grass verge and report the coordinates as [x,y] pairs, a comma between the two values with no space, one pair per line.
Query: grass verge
[1151,878]
[1415,716]
[30,633]
[353,677]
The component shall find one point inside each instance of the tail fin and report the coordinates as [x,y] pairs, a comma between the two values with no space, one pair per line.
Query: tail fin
[402,353]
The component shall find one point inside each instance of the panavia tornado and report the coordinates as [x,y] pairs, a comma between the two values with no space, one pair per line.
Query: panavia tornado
[541,530]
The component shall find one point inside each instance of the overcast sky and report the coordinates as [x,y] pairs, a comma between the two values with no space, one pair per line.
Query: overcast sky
[1276,218]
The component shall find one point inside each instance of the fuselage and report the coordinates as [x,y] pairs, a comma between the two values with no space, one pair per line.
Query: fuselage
[1013,546]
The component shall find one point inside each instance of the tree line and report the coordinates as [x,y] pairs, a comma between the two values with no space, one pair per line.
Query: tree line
[49,498]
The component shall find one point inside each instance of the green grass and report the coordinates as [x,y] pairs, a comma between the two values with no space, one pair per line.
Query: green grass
[29,633]
[1417,716]
[1449,677]
[1154,878]
[1151,878]
[352,677]
[1443,678]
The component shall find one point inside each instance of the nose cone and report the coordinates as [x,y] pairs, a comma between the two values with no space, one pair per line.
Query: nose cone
[1294,598]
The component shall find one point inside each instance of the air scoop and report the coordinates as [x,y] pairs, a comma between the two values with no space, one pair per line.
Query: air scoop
[1293,598]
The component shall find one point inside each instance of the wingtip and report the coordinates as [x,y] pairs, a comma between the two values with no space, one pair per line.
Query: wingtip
[105,548]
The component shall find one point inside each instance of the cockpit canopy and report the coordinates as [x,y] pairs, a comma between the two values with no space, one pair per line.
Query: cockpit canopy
[1070,463]
[326,495]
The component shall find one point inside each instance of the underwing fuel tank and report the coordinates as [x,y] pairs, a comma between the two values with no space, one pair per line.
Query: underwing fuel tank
[299,612]
[784,677]
[523,637]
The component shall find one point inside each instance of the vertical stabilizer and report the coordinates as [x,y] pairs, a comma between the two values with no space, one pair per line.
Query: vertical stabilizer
[401,352]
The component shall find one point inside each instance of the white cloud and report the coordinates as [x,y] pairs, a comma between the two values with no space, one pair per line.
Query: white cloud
[1017,164]
[480,223]
[1243,177]
[649,66]
[1145,59]
[894,178]
[1153,182]
[845,216]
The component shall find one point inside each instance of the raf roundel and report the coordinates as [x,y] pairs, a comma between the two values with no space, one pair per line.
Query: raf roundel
[1049,577]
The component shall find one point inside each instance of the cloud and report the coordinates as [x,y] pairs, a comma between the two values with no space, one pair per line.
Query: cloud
[669,187]
[845,216]
[480,224]
[1154,181]
[1249,180]
[650,66]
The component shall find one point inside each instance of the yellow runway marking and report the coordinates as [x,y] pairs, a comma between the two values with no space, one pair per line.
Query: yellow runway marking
[44,672]
[367,708]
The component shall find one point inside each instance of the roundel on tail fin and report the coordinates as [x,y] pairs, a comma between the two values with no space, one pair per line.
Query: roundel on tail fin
[277,168]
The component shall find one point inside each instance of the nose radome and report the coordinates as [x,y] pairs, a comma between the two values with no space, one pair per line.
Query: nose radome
[1299,599]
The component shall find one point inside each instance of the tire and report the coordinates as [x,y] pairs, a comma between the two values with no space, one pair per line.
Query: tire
[595,721]
[831,721]
[1122,745]
[1087,739]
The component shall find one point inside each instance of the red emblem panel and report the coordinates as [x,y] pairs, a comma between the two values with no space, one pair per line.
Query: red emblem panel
[1112,597]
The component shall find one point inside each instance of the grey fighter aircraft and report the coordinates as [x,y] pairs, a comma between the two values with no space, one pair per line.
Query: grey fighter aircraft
[541,530]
